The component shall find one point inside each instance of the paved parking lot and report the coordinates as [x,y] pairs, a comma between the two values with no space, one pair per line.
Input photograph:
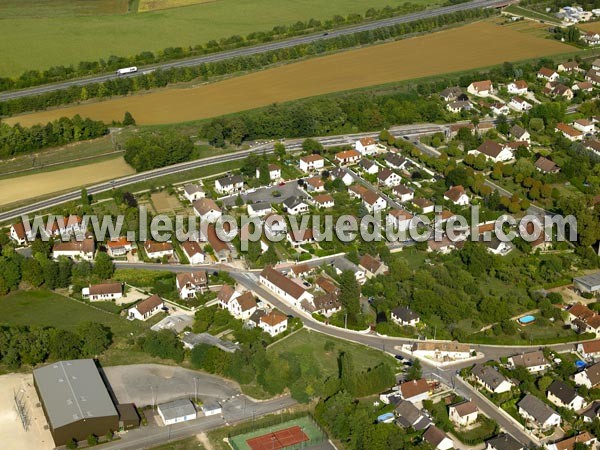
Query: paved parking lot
[145,384]
[290,189]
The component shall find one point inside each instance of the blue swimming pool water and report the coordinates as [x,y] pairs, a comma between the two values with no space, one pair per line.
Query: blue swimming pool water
[526,319]
[580,364]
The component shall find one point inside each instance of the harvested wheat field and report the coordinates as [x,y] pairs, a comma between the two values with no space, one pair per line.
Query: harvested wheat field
[476,45]
[154,5]
[592,26]
[31,186]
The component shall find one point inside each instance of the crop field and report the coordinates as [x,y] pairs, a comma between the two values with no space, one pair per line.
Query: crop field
[437,53]
[36,9]
[591,26]
[34,39]
[32,186]
[155,5]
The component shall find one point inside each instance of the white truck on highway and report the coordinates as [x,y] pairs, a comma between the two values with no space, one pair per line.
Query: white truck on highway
[126,70]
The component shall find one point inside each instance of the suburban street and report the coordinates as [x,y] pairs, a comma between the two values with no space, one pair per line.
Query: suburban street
[247,51]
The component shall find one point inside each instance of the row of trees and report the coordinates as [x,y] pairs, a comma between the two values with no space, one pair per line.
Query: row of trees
[205,71]
[17,140]
[23,345]
[86,68]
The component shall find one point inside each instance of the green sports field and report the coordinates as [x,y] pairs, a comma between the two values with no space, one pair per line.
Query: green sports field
[38,34]
[315,435]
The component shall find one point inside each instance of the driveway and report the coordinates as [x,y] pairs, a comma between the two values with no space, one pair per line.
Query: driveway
[145,384]
[265,194]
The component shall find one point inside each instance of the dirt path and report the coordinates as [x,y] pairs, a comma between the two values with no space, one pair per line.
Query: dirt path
[203,438]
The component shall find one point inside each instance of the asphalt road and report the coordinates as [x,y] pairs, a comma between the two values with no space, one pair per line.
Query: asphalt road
[259,48]
[291,145]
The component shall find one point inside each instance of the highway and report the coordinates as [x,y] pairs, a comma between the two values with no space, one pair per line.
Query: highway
[247,51]
[291,145]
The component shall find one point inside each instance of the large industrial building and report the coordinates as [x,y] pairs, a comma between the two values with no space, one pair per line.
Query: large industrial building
[75,400]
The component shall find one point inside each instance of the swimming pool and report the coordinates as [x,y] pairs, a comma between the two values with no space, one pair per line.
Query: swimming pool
[580,364]
[526,320]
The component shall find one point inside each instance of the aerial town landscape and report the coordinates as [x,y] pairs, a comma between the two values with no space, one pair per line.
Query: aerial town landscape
[297,224]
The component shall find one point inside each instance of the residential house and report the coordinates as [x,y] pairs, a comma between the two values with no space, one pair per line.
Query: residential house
[590,377]
[103,292]
[273,323]
[342,264]
[437,438]
[18,234]
[498,247]
[457,195]
[274,172]
[519,134]
[369,166]
[119,247]
[326,285]
[301,237]
[207,210]
[287,289]
[403,193]
[459,106]
[483,88]
[593,77]
[373,201]
[242,306]
[584,86]
[78,249]
[518,87]
[388,178]
[537,413]
[592,145]
[222,251]
[591,38]
[347,157]
[463,414]
[560,90]
[499,109]
[426,206]
[494,151]
[395,161]
[193,252]
[503,441]
[584,438]
[443,246]
[548,74]
[301,270]
[225,295]
[409,416]
[191,283]
[451,93]
[275,225]
[581,318]
[326,304]
[323,201]
[585,126]
[158,250]
[491,379]
[415,390]
[404,316]
[372,266]
[400,220]
[295,206]
[341,173]
[260,209]
[229,184]
[518,104]
[146,308]
[315,184]
[534,362]
[193,192]
[589,349]
[311,162]
[441,351]
[366,146]
[570,66]
[546,165]
[564,396]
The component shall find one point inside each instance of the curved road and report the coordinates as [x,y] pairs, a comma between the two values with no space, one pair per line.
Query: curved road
[247,51]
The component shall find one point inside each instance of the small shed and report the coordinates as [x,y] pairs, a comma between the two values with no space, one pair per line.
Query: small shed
[177,411]
[212,409]
[128,416]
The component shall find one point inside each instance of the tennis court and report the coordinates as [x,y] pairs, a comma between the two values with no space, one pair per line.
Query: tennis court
[297,433]
[278,439]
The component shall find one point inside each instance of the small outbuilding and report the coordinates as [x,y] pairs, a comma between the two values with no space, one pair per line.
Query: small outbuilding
[177,411]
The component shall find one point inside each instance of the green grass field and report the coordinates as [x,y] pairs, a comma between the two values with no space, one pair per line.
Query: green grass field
[190,443]
[314,434]
[44,308]
[308,345]
[36,39]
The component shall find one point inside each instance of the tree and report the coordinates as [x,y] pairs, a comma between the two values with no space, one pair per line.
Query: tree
[279,150]
[350,294]
[65,345]
[103,266]
[95,337]
[31,272]
[85,198]
[414,372]
[128,119]
[312,146]
[348,379]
